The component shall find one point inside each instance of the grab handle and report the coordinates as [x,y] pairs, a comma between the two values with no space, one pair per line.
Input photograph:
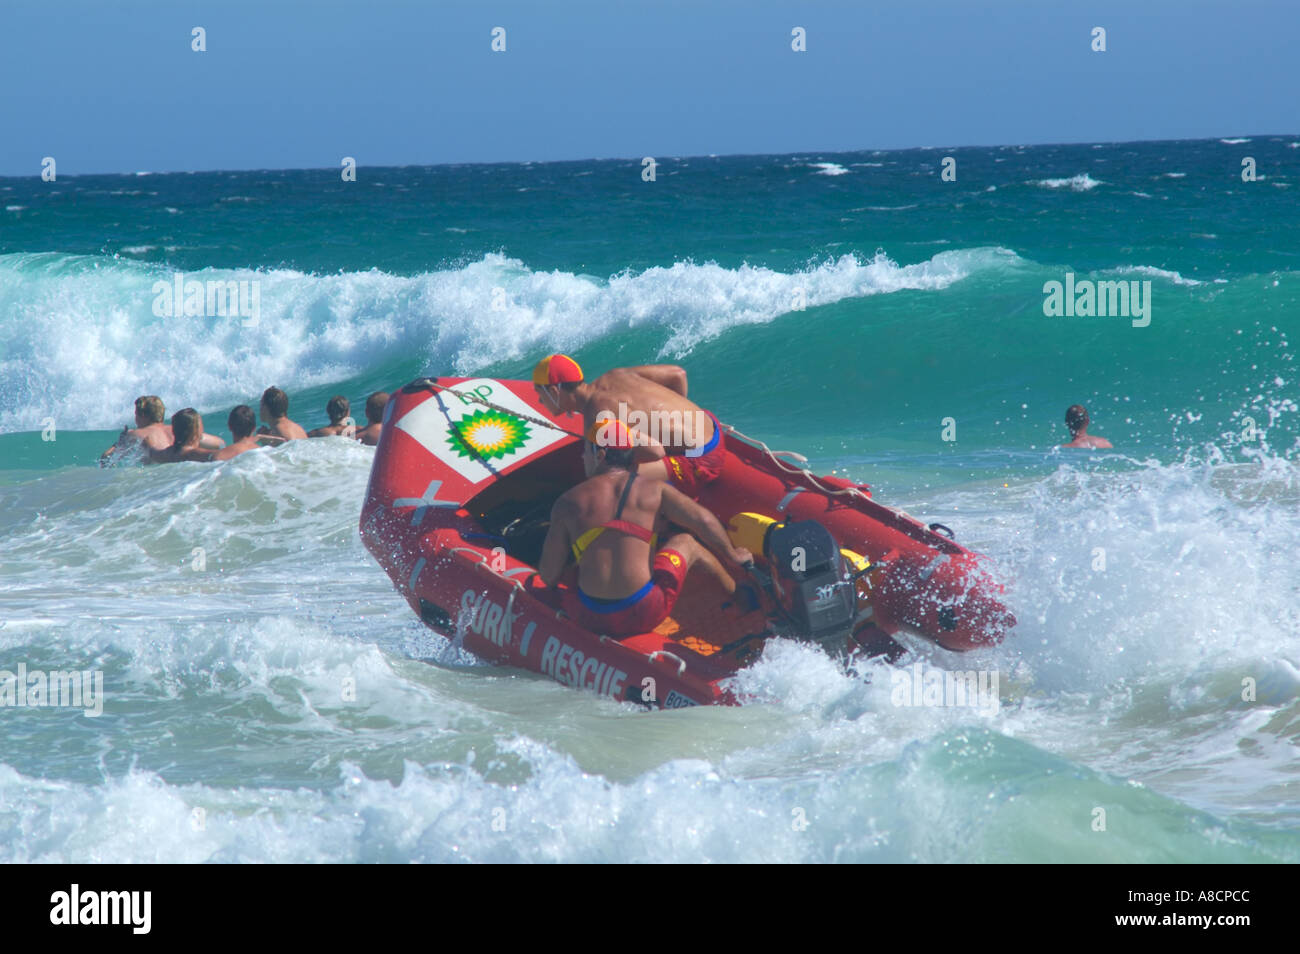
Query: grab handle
[681,663]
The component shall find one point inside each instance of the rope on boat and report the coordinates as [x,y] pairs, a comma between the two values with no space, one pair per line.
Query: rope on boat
[775,458]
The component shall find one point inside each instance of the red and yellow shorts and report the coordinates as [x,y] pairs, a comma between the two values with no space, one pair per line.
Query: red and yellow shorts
[643,610]
[690,474]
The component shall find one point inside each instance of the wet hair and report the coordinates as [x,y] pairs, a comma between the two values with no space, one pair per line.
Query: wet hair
[338,408]
[150,406]
[275,401]
[186,425]
[242,422]
[375,405]
[1076,417]
[624,458]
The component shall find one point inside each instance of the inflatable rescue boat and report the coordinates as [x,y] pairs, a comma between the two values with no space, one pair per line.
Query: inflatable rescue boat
[458,505]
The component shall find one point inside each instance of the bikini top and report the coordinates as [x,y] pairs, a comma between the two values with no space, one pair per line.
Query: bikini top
[622,526]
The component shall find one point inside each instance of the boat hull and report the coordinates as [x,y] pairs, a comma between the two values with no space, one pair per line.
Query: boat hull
[443,472]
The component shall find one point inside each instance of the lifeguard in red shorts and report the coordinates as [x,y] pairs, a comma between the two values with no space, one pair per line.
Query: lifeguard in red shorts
[627,584]
[681,442]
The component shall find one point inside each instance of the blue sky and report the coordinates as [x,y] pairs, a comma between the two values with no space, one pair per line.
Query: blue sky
[114,87]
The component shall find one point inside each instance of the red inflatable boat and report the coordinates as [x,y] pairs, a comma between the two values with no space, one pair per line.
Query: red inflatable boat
[458,504]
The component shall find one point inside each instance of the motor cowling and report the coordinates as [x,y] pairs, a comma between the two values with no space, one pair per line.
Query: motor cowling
[812,581]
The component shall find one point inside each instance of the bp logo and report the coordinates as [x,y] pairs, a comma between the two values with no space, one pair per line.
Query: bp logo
[487,435]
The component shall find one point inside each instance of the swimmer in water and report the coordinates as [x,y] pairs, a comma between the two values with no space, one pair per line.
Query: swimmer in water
[1076,419]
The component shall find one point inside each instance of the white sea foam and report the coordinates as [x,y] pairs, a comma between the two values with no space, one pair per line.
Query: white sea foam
[235,673]
[1151,271]
[829,168]
[80,340]
[1080,183]
[1166,569]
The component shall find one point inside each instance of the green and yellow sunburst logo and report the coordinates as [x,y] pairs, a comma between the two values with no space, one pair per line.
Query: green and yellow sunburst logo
[487,435]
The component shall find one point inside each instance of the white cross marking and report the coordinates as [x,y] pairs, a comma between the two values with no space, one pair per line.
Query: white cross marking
[423,504]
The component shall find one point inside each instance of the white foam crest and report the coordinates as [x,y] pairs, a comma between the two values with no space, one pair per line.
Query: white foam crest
[139,819]
[683,811]
[1152,271]
[1080,183]
[109,528]
[964,796]
[829,168]
[872,709]
[1163,571]
[699,302]
[80,340]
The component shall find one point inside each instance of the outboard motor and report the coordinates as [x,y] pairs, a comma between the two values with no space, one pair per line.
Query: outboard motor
[813,583]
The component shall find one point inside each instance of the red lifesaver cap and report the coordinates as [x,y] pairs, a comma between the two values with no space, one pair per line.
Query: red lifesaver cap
[557,369]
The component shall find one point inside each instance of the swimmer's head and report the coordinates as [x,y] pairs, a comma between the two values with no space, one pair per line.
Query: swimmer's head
[555,378]
[375,405]
[187,426]
[1076,418]
[242,421]
[610,443]
[610,432]
[275,404]
[338,408]
[149,410]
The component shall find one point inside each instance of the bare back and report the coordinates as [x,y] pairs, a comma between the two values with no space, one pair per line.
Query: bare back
[174,454]
[241,446]
[285,429]
[615,563]
[623,386]
[157,436]
[1088,442]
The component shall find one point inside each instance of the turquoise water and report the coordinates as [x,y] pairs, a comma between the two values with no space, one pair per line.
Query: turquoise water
[847,306]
